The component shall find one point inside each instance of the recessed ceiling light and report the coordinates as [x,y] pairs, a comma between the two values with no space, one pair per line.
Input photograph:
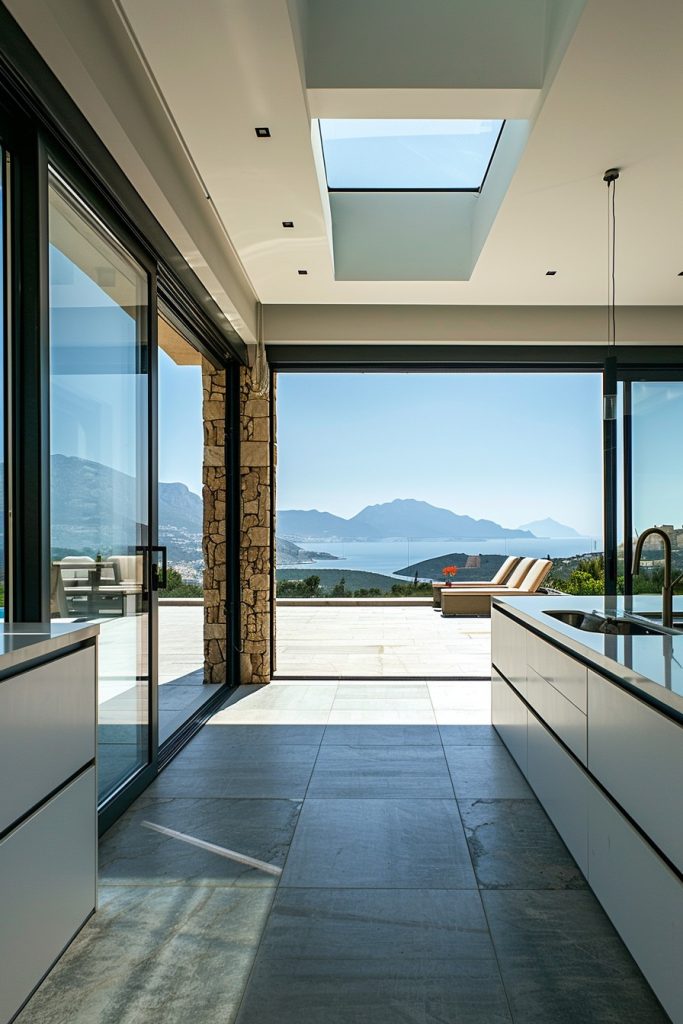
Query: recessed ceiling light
[288,223]
[302,272]
[262,133]
[680,273]
[550,273]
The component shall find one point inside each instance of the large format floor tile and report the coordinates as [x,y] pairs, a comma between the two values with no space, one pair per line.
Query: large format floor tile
[514,846]
[162,955]
[131,854]
[377,924]
[404,844]
[383,771]
[375,992]
[280,777]
[375,735]
[486,771]
[562,961]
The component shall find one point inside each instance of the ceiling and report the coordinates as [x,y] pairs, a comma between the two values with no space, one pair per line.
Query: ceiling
[599,83]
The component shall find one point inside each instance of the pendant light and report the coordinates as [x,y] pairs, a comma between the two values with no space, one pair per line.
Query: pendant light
[610,177]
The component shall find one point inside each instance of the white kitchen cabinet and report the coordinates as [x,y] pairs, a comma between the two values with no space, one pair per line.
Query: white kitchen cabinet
[509,716]
[563,717]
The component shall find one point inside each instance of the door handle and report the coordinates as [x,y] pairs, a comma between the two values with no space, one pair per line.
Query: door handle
[159,579]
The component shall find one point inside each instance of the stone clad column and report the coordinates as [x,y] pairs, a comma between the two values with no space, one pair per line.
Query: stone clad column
[255,543]
[214,538]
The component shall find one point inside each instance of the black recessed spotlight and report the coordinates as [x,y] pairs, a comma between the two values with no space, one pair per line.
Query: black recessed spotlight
[262,133]
[680,273]
[550,273]
[288,223]
[302,272]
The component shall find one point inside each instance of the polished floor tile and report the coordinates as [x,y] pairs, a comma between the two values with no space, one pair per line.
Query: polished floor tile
[131,854]
[514,846]
[469,736]
[162,955]
[562,961]
[404,844]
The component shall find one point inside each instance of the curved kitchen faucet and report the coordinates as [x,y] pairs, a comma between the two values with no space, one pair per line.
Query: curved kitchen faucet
[669,584]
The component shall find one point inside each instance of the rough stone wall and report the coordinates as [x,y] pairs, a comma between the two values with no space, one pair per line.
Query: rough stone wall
[255,541]
[214,540]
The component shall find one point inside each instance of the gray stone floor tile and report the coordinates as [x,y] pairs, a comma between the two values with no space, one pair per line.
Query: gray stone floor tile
[469,736]
[376,924]
[375,735]
[366,772]
[274,779]
[562,961]
[404,844]
[514,846]
[255,738]
[486,771]
[133,855]
[419,991]
[163,955]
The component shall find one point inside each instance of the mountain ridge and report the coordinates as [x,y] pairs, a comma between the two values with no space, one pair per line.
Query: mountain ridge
[398,518]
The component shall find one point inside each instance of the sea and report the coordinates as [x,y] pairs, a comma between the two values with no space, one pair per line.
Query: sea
[387,556]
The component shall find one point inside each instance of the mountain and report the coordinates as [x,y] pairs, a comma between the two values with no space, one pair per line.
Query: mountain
[406,517]
[550,528]
[92,506]
[310,524]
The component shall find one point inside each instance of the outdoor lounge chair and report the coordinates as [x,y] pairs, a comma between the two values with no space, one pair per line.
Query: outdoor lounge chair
[477,601]
[500,578]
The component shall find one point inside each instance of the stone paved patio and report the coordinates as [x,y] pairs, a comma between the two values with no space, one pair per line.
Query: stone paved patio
[379,641]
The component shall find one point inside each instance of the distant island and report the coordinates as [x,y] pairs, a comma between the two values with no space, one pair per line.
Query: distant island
[403,517]
[292,554]
[550,529]
[468,569]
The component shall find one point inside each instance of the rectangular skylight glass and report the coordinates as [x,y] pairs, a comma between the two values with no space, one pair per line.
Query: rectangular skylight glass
[413,154]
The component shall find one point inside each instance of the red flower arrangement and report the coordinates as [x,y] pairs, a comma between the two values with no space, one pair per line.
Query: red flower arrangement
[449,571]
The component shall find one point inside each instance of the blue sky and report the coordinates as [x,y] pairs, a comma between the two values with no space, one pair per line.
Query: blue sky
[181,437]
[508,447]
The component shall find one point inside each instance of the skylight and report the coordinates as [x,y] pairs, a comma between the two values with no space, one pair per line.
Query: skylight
[408,155]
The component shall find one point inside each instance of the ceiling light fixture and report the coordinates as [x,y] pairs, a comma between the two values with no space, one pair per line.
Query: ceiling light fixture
[262,133]
[302,272]
[680,273]
[550,273]
[610,177]
[288,223]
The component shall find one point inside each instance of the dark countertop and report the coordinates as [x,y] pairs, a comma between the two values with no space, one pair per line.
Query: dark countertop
[650,666]
[21,642]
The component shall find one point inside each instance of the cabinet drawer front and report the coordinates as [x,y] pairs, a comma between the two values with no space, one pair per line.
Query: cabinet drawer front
[509,715]
[508,649]
[637,755]
[563,717]
[566,675]
[561,787]
[47,718]
[641,895]
[48,868]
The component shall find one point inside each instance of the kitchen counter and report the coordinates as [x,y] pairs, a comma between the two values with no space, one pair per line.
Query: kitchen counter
[649,666]
[21,642]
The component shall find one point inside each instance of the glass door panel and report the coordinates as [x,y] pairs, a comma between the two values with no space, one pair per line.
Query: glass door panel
[656,485]
[99,394]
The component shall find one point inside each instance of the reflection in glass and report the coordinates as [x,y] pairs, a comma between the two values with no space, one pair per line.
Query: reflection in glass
[99,491]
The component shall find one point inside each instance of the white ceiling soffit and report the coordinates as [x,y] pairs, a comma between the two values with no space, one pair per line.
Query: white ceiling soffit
[608,91]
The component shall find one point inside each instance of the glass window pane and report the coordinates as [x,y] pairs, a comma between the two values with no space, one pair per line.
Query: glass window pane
[99,489]
[408,154]
[2,384]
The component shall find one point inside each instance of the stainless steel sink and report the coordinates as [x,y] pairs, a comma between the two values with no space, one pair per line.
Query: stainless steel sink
[591,622]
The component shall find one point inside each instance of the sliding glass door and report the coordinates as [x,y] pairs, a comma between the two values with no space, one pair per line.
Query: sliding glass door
[100,493]
[653,487]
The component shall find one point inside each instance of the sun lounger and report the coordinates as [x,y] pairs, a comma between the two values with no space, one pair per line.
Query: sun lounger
[477,601]
[500,578]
